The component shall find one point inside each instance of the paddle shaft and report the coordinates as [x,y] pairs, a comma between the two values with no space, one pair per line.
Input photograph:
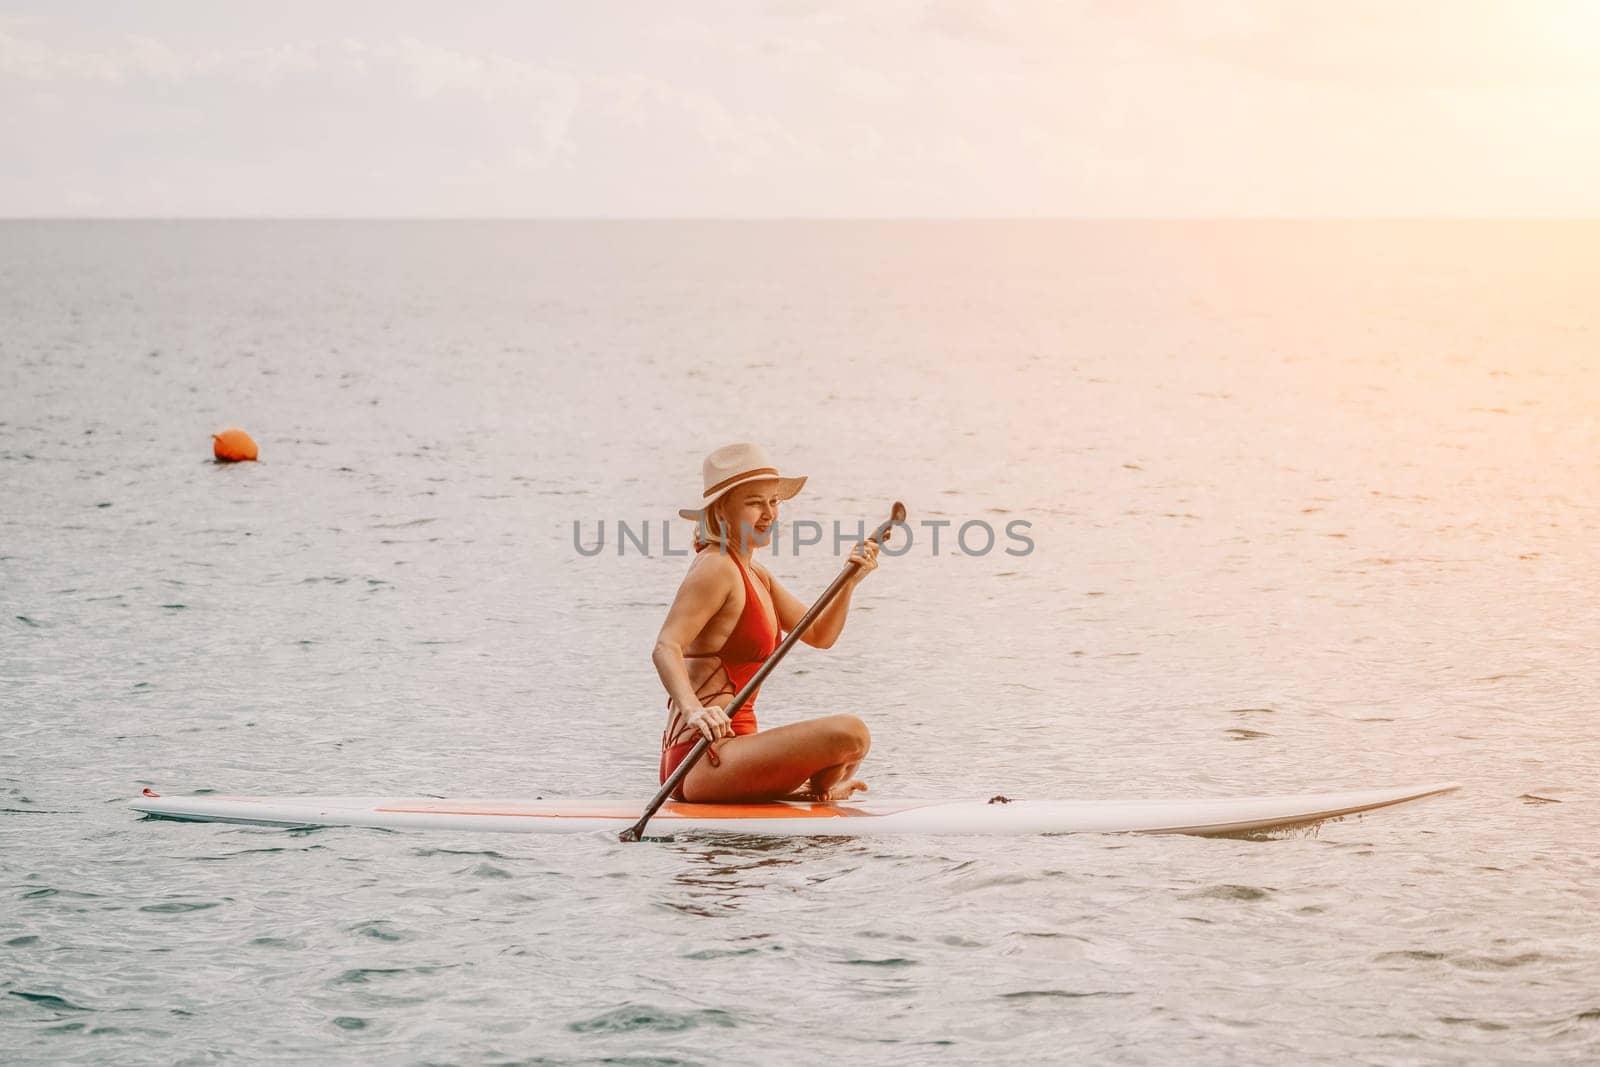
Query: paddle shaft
[742,697]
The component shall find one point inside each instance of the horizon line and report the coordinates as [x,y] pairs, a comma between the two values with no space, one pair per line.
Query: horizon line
[798,218]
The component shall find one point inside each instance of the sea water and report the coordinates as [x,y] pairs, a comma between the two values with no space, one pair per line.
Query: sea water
[1311,506]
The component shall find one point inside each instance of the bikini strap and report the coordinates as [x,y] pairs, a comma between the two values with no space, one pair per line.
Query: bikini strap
[745,574]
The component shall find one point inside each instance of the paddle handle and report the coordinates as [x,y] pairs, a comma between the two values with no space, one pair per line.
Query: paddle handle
[880,535]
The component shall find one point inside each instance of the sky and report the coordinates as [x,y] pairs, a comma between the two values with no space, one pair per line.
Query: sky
[800,108]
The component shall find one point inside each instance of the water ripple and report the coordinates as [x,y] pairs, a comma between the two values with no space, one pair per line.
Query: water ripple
[634,1018]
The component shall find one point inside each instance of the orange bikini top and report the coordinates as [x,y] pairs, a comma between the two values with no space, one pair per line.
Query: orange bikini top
[754,637]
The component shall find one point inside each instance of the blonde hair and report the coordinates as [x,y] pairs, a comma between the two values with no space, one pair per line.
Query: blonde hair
[712,529]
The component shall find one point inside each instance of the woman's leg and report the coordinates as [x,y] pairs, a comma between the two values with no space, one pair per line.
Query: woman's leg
[833,783]
[774,763]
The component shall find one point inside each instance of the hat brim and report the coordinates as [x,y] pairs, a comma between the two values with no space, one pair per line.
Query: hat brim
[787,488]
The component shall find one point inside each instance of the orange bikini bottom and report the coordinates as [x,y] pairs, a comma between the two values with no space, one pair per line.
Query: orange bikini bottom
[744,722]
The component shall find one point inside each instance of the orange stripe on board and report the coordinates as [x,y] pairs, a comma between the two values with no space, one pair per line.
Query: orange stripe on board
[759,811]
[672,811]
[518,814]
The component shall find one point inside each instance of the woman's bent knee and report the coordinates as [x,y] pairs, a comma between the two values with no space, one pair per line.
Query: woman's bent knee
[852,735]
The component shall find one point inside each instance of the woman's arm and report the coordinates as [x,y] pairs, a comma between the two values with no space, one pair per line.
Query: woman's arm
[699,598]
[830,624]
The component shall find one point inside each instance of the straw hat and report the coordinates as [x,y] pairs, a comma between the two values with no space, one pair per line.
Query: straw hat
[734,465]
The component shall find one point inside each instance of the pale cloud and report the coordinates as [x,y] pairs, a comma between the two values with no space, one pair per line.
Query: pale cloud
[433,70]
[30,59]
[427,69]
[138,57]
[722,107]
[1380,43]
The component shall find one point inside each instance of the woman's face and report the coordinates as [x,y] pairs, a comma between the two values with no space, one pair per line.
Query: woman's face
[752,511]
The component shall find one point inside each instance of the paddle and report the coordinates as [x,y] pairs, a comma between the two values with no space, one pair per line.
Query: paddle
[880,535]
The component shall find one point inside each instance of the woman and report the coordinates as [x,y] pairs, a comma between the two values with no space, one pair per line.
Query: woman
[722,626]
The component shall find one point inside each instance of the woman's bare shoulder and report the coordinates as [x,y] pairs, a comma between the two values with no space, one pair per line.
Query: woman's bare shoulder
[705,590]
[710,568]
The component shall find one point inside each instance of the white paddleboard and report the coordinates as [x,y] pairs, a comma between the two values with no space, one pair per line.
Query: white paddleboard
[789,818]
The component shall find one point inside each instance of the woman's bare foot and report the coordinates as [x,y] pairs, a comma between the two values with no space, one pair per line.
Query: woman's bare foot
[835,792]
[842,790]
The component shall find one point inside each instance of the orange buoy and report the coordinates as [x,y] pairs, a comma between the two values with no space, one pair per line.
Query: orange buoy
[233,446]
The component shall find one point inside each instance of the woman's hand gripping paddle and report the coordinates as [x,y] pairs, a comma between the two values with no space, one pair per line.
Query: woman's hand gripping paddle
[880,535]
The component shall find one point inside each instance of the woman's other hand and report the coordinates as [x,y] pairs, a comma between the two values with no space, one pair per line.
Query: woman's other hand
[865,556]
